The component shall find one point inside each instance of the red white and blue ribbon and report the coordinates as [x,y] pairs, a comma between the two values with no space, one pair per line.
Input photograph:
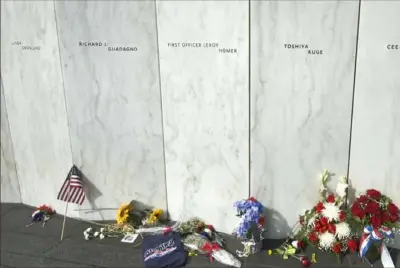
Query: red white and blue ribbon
[371,235]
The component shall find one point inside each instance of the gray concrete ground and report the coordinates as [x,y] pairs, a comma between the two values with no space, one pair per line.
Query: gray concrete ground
[41,247]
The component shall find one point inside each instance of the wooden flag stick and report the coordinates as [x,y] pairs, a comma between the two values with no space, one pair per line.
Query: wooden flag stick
[65,213]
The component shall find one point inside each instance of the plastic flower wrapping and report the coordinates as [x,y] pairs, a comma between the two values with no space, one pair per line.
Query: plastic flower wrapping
[197,236]
[42,214]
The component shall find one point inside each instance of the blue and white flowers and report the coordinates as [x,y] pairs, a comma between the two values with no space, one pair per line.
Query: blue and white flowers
[251,216]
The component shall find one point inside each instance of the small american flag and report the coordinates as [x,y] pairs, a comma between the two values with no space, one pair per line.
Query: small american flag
[72,189]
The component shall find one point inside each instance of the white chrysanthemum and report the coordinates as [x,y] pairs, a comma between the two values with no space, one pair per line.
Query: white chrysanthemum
[342,230]
[326,240]
[331,212]
[341,188]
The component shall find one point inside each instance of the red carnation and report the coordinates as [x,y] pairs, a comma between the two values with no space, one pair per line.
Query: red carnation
[305,262]
[374,193]
[209,226]
[319,207]
[392,208]
[332,228]
[300,244]
[376,221]
[323,220]
[342,215]
[313,237]
[337,248]
[261,221]
[331,199]
[252,199]
[352,245]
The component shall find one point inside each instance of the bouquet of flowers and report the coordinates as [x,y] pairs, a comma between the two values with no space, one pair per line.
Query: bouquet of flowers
[326,225]
[378,218]
[43,214]
[251,225]
[153,217]
[203,238]
[124,213]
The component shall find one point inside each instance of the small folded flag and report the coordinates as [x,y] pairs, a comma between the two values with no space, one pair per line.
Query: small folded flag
[72,189]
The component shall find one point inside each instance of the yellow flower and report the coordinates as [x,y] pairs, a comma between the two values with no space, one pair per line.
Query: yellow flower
[157,213]
[269,252]
[123,213]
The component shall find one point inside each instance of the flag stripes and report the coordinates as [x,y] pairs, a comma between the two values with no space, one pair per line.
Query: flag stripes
[72,188]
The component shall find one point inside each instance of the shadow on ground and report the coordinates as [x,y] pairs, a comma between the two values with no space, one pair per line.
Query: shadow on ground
[41,247]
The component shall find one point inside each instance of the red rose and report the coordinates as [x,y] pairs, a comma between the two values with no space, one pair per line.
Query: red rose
[362,199]
[305,262]
[332,228]
[300,244]
[261,221]
[372,208]
[252,199]
[385,216]
[342,215]
[319,207]
[392,208]
[352,245]
[357,211]
[394,217]
[376,221]
[337,248]
[374,193]
[313,237]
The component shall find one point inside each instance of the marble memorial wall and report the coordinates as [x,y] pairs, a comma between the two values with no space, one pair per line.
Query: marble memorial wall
[110,66]
[192,106]
[303,57]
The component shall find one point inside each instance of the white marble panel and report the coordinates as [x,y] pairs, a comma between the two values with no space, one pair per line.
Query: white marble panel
[301,102]
[375,146]
[35,100]
[205,107]
[113,101]
[10,191]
